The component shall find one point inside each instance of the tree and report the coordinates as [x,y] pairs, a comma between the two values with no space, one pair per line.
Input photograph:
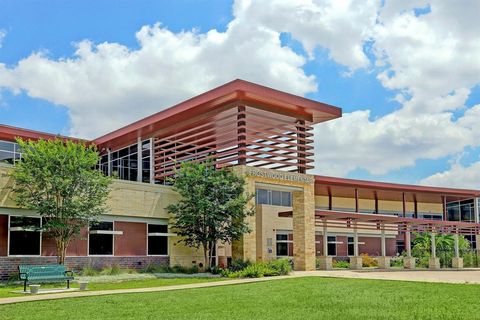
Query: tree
[213,206]
[57,179]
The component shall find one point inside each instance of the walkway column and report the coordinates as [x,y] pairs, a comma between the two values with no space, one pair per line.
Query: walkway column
[325,262]
[408,261]
[304,229]
[457,262]
[383,261]
[434,262]
[356,260]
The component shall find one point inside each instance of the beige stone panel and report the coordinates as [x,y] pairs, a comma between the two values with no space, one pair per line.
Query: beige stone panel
[340,202]
[136,199]
[182,255]
[366,205]
[409,206]
[321,201]
[6,183]
[338,229]
[430,207]
[268,223]
[304,229]
[390,205]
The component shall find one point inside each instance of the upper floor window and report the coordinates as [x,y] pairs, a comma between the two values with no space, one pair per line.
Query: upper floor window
[124,163]
[461,210]
[9,152]
[274,197]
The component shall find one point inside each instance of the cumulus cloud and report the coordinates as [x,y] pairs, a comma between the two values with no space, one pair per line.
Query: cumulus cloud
[457,176]
[428,57]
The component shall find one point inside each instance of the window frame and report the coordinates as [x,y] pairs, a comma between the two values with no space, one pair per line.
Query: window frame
[286,233]
[270,197]
[113,234]
[166,236]
[9,240]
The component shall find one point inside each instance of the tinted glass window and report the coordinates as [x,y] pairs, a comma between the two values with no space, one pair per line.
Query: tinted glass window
[262,196]
[332,246]
[25,240]
[276,198]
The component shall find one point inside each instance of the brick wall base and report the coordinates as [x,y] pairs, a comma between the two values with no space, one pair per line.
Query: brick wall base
[9,265]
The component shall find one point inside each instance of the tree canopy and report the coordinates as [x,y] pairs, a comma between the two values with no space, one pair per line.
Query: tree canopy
[58,179]
[213,206]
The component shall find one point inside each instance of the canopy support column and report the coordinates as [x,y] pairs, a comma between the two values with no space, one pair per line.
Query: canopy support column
[383,261]
[457,262]
[325,261]
[434,262]
[408,261]
[356,260]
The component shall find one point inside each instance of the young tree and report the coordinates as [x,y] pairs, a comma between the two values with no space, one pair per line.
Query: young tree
[58,179]
[213,206]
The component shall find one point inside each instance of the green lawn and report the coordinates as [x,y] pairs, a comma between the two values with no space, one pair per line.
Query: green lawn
[6,291]
[296,298]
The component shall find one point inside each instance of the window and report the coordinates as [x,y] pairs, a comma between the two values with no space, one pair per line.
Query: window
[100,239]
[25,236]
[461,211]
[274,197]
[350,247]
[332,245]
[9,152]
[284,244]
[157,239]
[124,162]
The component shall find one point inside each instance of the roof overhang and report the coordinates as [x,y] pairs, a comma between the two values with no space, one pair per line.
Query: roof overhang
[234,93]
[377,188]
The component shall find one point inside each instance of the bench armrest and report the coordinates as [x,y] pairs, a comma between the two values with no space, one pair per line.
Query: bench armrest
[69,273]
[22,275]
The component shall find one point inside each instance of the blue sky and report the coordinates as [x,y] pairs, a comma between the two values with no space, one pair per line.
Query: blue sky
[359,65]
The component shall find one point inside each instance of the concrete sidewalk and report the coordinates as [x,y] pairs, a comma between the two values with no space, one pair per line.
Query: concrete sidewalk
[470,276]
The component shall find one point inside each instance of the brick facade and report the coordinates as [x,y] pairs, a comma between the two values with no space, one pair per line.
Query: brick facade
[9,265]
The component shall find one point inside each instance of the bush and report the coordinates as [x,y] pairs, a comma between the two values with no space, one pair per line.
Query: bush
[238,264]
[259,270]
[156,268]
[470,259]
[89,271]
[282,266]
[368,261]
[396,262]
[114,270]
[340,264]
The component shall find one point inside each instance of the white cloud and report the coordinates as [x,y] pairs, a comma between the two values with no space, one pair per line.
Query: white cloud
[457,176]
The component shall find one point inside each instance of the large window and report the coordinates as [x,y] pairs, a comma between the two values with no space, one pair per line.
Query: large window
[332,245]
[274,197]
[9,152]
[124,162]
[284,244]
[157,239]
[350,246]
[100,239]
[461,210]
[25,236]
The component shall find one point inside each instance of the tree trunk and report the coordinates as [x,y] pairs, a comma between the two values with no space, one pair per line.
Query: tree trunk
[62,245]
[205,254]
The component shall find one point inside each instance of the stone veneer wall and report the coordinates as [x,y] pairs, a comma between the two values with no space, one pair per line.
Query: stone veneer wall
[9,265]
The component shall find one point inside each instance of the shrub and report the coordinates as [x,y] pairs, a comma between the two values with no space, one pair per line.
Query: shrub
[340,264]
[368,261]
[238,264]
[470,259]
[282,266]
[396,262]
[89,271]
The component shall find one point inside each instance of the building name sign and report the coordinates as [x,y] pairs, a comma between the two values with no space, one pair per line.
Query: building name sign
[279,175]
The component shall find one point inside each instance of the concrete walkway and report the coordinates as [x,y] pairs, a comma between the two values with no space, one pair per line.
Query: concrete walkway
[471,276]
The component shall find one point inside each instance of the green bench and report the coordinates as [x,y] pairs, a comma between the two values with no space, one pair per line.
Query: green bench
[46,273]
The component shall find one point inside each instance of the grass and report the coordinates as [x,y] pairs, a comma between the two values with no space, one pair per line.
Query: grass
[296,298]
[6,291]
